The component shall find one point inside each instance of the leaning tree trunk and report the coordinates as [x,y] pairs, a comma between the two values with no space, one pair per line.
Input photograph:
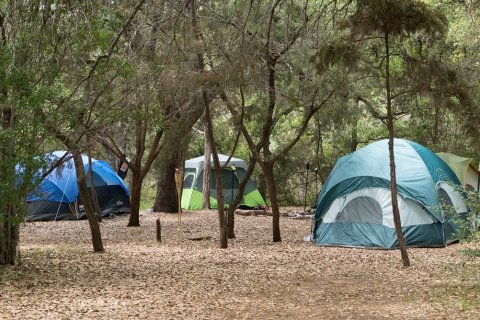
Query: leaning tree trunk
[393,179]
[272,190]
[87,203]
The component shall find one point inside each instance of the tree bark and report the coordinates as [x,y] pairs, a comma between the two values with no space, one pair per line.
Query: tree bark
[135,199]
[166,198]
[139,171]
[9,225]
[136,169]
[222,219]
[272,190]
[238,198]
[87,202]
[393,179]
[93,189]
[206,172]
[223,243]
[173,156]
[9,235]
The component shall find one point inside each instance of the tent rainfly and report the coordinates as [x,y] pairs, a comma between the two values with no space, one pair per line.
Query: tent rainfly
[192,196]
[464,170]
[56,197]
[354,207]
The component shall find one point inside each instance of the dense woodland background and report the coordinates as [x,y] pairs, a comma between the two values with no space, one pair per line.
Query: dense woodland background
[279,83]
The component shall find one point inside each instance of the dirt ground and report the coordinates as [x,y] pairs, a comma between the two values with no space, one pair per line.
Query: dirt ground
[60,278]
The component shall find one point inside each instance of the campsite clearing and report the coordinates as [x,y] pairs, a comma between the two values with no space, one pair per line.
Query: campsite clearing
[60,278]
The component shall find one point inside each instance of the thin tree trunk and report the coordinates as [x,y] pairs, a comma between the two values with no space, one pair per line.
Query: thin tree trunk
[87,203]
[136,169]
[93,189]
[393,179]
[222,219]
[238,198]
[272,190]
[206,172]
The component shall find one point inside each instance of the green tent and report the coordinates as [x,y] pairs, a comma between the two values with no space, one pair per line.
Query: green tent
[192,197]
[354,208]
[464,169]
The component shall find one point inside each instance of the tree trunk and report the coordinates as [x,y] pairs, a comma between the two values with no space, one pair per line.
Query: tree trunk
[238,198]
[166,198]
[87,203]
[173,154]
[135,199]
[393,178]
[272,190]
[222,219]
[9,235]
[93,189]
[206,172]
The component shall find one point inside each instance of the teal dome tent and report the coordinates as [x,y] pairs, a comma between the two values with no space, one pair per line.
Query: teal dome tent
[354,207]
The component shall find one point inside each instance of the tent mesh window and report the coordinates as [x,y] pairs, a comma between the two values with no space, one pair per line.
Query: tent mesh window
[361,210]
[444,197]
[188,180]
[229,179]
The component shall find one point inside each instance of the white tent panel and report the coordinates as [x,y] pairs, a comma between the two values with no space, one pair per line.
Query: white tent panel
[373,205]
[471,178]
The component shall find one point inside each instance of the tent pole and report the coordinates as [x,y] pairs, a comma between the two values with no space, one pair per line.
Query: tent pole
[61,199]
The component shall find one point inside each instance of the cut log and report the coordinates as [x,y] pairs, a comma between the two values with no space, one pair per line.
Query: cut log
[252,212]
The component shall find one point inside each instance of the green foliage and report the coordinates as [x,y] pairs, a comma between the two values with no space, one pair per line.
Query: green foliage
[397,18]
[467,224]
[338,52]
[148,195]
[472,253]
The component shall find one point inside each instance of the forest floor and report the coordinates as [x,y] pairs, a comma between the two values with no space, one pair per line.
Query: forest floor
[136,278]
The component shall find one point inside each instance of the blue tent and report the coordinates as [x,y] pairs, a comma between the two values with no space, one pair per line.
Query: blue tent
[56,197]
[354,207]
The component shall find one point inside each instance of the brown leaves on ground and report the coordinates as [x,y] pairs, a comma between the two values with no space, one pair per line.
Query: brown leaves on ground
[60,277]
